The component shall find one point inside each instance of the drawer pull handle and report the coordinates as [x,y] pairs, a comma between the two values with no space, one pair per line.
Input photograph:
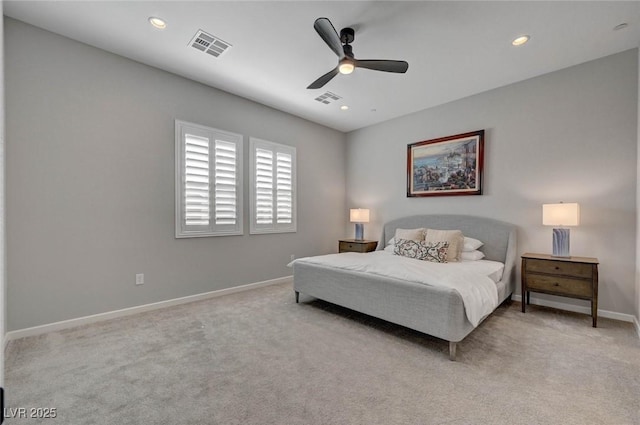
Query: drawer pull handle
[556,284]
[557,268]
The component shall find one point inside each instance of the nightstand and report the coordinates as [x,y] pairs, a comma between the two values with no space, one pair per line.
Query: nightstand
[573,277]
[354,245]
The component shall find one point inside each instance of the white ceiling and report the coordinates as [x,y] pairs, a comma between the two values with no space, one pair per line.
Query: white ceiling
[454,49]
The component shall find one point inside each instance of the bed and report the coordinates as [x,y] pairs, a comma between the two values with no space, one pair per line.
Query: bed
[434,310]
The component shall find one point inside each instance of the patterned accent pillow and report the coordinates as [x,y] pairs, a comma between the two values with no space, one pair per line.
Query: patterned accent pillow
[435,252]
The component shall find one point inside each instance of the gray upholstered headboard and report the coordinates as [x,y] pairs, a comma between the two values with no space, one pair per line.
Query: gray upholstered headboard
[499,237]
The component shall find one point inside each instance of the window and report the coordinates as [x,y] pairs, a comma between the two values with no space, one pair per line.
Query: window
[208,181]
[273,187]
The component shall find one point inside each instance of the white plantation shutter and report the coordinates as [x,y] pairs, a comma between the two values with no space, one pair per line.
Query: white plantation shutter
[208,181]
[264,186]
[284,188]
[273,204]
[226,181]
[196,182]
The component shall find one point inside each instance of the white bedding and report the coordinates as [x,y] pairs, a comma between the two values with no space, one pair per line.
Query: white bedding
[475,281]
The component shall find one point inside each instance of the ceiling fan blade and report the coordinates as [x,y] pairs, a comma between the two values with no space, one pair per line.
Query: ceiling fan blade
[324,79]
[328,33]
[383,65]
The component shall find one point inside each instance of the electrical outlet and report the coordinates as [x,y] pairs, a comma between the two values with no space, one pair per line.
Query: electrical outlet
[140,279]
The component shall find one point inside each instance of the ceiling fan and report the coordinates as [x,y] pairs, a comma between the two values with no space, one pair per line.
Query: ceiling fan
[341,46]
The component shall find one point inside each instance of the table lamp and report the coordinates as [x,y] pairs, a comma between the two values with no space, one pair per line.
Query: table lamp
[559,216]
[359,216]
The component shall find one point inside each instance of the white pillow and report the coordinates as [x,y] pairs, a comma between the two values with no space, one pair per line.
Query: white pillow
[410,234]
[471,244]
[472,255]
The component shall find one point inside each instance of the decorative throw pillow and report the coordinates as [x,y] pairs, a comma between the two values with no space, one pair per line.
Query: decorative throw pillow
[420,250]
[454,237]
[471,255]
[471,244]
[410,234]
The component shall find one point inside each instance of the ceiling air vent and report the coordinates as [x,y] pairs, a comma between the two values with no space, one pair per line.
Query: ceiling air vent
[327,98]
[209,44]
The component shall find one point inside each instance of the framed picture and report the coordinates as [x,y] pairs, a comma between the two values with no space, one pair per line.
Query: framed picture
[447,166]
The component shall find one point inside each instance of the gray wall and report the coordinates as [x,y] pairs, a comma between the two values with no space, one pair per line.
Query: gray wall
[638,217]
[566,136]
[90,183]
[90,176]
[3,269]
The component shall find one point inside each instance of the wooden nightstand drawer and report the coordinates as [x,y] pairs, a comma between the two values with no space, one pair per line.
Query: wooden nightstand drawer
[559,285]
[559,268]
[347,247]
[353,245]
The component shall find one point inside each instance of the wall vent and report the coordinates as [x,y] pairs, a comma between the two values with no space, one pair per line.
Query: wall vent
[327,98]
[208,43]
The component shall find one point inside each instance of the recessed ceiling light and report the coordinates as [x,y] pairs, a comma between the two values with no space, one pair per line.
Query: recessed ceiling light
[620,26]
[520,40]
[344,107]
[157,22]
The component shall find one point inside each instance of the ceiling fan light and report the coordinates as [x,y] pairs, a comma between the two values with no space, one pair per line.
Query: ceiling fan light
[346,67]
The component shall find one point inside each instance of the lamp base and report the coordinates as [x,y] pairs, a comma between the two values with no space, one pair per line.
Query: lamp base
[561,243]
[359,231]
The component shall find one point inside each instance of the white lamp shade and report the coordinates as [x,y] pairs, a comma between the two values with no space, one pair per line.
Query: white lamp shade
[561,214]
[359,215]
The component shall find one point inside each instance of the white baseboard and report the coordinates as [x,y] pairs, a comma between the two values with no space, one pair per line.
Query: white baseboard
[72,323]
[637,323]
[579,309]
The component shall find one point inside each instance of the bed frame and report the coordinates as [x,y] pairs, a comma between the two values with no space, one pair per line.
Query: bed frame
[432,310]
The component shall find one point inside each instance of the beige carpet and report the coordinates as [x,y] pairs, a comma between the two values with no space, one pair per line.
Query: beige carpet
[258,358]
